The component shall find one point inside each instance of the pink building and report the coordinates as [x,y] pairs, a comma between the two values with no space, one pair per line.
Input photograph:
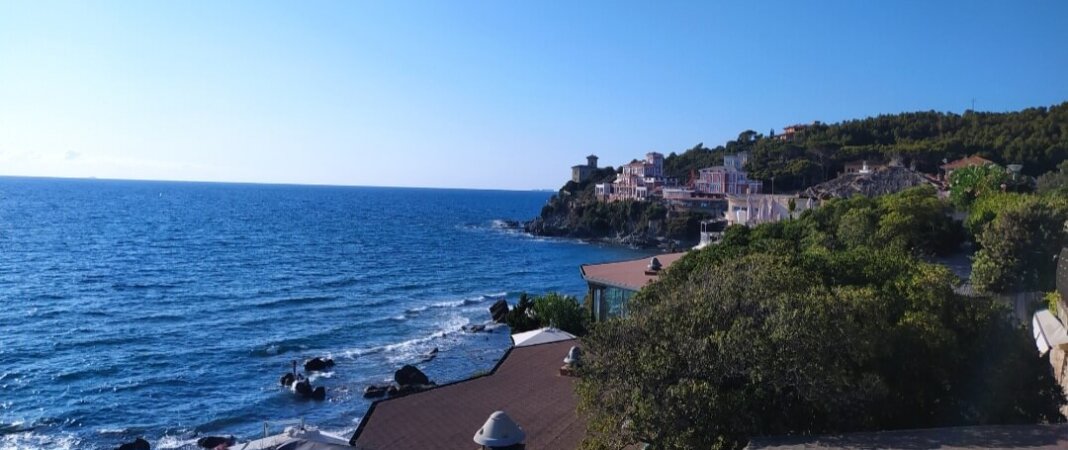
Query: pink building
[730,178]
[637,180]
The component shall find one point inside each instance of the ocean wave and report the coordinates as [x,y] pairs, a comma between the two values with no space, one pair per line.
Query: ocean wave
[341,282]
[274,303]
[407,348]
[84,372]
[469,301]
[279,348]
[33,441]
[173,442]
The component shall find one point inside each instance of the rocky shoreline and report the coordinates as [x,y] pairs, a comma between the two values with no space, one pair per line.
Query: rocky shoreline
[558,228]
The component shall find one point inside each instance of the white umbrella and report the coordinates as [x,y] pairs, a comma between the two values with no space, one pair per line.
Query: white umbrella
[1048,331]
[540,336]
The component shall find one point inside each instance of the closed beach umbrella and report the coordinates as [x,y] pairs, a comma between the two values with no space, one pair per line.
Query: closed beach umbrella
[540,336]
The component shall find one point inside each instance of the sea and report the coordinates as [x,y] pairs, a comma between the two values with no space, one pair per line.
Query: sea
[170,310]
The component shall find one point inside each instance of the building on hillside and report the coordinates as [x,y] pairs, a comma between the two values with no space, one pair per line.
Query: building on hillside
[755,209]
[736,161]
[724,180]
[871,183]
[611,285]
[638,180]
[683,198]
[581,173]
[730,178]
[790,132]
[971,161]
[862,167]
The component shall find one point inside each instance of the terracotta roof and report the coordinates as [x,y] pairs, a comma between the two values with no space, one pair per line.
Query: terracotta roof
[974,160]
[1031,437]
[626,274]
[526,384]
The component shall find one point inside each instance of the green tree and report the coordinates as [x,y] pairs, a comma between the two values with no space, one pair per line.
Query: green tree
[970,183]
[561,311]
[552,309]
[521,317]
[1054,182]
[1019,246]
[814,325]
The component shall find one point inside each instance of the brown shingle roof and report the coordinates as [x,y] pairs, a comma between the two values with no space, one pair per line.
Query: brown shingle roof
[626,274]
[526,384]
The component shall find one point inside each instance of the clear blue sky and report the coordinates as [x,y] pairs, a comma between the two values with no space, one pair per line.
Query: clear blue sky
[496,94]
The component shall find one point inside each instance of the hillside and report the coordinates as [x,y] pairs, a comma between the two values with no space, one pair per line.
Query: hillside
[1037,138]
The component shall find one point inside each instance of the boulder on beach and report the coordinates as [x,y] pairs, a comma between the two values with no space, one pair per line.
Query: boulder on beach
[138,444]
[410,375]
[318,364]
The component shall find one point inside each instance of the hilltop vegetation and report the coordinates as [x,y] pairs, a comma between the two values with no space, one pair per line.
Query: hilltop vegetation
[1037,138]
[832,322]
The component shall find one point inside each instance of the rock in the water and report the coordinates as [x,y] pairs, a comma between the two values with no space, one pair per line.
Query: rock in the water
[499,310]
[410,375]
[373,391]
[304,389]
[474,328]
[319,393]
[287,380]
[428,356]
[318,364]
[215,441]
[138,444]
[395,390]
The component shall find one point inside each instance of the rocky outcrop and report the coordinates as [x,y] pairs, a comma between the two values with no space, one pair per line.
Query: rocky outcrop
[318,364]
[410,375]
[499,310]
[304,389]
[882,181]
[138,444]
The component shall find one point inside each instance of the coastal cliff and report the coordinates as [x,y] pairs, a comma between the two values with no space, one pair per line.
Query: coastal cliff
[575,212]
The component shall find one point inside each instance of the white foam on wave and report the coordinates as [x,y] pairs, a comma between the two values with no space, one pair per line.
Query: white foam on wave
[408,349]
[33,441]
[474,300]
[174,442]
[111,431]
[317,375]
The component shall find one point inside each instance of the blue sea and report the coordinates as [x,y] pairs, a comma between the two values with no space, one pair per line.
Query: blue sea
[170,310]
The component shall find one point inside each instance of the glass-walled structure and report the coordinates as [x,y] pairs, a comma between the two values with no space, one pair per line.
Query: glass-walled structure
[612,285]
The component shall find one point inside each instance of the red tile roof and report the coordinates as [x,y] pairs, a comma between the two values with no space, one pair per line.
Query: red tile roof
[974,160]
[626,274]
[526,384]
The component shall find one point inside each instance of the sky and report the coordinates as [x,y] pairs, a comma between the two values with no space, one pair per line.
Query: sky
[471,94]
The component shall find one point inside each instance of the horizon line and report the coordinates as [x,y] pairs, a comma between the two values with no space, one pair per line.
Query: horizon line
[267,183]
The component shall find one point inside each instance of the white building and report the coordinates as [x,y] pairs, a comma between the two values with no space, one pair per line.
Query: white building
[755,209]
